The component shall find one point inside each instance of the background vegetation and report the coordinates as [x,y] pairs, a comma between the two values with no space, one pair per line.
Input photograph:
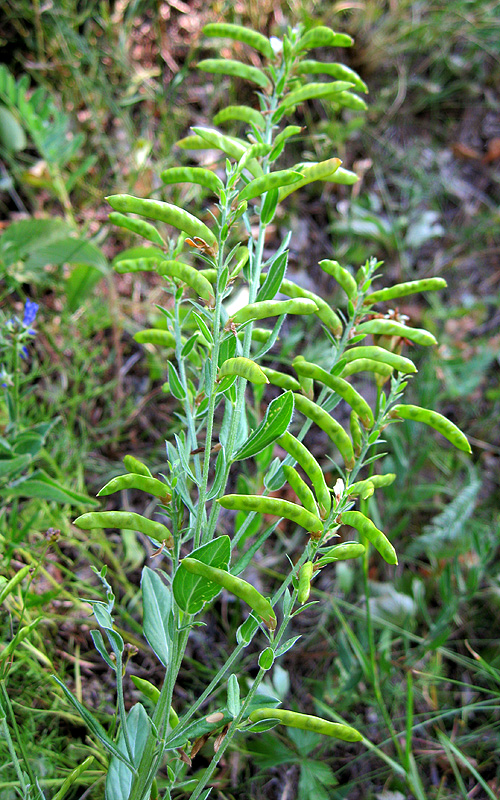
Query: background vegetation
[92,97]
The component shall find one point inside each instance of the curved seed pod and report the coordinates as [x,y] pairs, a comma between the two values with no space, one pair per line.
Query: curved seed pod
[133,481]
[304,459]
[210,274]
[314,90]
[356,433]
[383,480]
[367,365]
[366,528]
[376,353]
[260,335]
[301,489]
[163,212]
[241,113]
[126,520]
[280,378]
[170,269]
[134,465]
[226,30]
[435,420]
[15,581]
[152,693]
[334,70]
[344,177]
[305,576]
[244,368]
[236,69]
[404,289]
[340,552]
[274,308]
[326,314]
[321,171]
[306,383]
[21,634]
[386,327]
[274,180]
[236,148]
[340,387]
[198,175]
[341,275]
[352,101]
[155,336]
[365,489]
[289,130]
[329,425]
[271,505]
[306,722]
[138,226]
[237,586]
[322,36]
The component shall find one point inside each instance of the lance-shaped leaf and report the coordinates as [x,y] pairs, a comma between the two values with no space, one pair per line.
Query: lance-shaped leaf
[119,777]
[275,423]
[191,592]
[236,69]
[158,619]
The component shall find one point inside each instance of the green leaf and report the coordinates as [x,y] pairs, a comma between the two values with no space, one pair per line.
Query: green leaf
[12,135]
[80,284]
[68,251]
[274,278]
[233,696]
[119,777]
[94,726]
[275,423]
[41,485]
[157,609]
[266,658]
[191,592]
[99,645]
[9,466]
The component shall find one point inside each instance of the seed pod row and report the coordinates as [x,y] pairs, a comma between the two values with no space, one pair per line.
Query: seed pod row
[300,488]
[366,528]
[163,212]
[307,722]
[435,420]
[274,308]
[272,505]
[244,368]
[126,520]
[340,387]
[387,327]
[323,311]
[329,425]
[376,353]
[133,481]
[404,289]
[306,460]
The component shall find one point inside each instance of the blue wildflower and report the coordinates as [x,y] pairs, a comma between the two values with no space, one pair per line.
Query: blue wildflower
[30,312]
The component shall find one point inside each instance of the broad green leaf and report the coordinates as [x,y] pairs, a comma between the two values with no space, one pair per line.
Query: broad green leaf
[119,777]
[41,485]
[68,251]
[158,620]
[79,285]
[275,423]
[12,135]
[191,592]
[10,466]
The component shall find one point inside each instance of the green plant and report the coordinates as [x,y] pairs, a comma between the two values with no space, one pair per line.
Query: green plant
[217,353]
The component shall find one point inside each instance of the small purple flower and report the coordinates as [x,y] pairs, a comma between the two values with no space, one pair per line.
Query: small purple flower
[30,311]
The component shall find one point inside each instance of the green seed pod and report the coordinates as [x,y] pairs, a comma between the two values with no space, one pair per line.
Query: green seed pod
[152,693]
[163,212]
[435,420]
[383,480]
[197,175]
[306,383]
[230,145]
[329,425]
[244,368]
[22,634]
[344,177]
[340,387]
[138,226]
[306,722]
[394,360]
[15,581]
[321,36]
[301,489]
[305,576]
[314,90]
[356,433]
[342,276]
[280,378]
[126,520]
[367,365]
[386,327]
[226,30]
[237,586]
[404,289]
[271,505]
[321,171]
[303,457]
[236,69]
[274,180]
[242,114]
[134,481]
[274,308]
[352,101]
[134,465]
[326,314]
[366,528]
[340,552]
[155,336]
[334,70]
[170,269]
[365,489]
